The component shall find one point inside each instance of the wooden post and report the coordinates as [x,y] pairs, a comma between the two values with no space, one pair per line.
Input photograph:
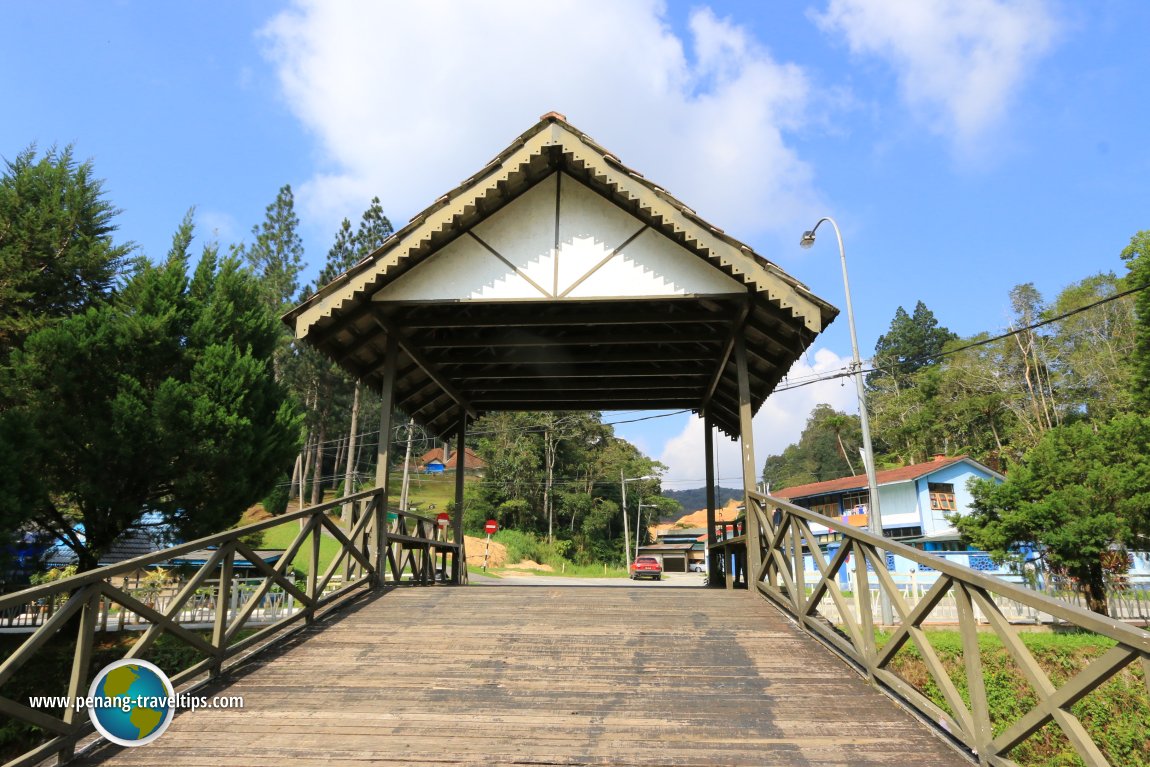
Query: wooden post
[81,666]
[223,604]
[713,571]
[383,455]
[747,441]
[458,562]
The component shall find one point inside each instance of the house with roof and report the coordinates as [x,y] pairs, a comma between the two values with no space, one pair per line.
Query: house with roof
[678,548]
[434,462]
[914,501]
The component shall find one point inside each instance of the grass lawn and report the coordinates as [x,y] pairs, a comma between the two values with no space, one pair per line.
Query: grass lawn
[282,536]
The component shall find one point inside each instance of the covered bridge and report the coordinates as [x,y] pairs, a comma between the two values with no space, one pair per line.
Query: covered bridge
[557,278]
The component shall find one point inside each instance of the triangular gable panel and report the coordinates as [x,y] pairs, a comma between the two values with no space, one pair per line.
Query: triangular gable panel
[523,233]
[463,270]
[650,265]
[604,252]
[590,229]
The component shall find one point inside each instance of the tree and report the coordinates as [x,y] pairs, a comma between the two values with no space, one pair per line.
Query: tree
[57,255]
[557,474]
[1137,258]
[1077,495]
[1088,350]
[157,408]
[912,343]
[276,256]
[823,451]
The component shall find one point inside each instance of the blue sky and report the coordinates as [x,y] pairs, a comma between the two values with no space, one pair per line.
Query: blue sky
[964,146]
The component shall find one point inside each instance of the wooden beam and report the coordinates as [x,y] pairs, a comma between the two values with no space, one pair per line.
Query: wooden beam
[529,374]
[747,440]
[559,358]
[572,313]
[458,562]
[383,454]
[620,404]
[712,539]
[505,341]
[721,368]
[592,396]
[429,368]
[559,385]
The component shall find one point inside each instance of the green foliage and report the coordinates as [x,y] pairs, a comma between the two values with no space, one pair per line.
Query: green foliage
[904,399]
[276,256]
[1087,349]
[159,400]
[558,475]
[1077,493]
[523,546]
[276,502]
[48,675]
[1137,258]
[914,341]
[1117,715]
[827,449]
[57,256]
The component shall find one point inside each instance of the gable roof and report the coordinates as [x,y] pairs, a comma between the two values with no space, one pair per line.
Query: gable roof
[882,477]
[470,459]
[562,345]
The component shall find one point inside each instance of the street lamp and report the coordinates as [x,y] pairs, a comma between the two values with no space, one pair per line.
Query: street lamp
[638,513]
[626,535]
[874,515]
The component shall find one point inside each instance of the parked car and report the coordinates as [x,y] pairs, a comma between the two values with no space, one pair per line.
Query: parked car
[698,567]
[646,567]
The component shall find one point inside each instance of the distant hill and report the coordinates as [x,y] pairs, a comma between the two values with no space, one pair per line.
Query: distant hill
[695,499]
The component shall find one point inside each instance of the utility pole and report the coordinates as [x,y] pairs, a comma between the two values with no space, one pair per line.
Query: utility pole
[406,468]
[626,536]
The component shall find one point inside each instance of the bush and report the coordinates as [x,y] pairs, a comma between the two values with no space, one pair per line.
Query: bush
[276,502]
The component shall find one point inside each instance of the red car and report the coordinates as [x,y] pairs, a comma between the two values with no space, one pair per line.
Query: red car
[646,567]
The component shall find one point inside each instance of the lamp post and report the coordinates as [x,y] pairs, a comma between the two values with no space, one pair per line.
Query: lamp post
[626,536]
[638,514]
[874,514]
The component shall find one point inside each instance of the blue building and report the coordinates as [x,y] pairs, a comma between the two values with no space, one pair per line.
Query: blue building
[914,501]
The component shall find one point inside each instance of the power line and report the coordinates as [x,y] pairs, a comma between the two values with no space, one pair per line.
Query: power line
[849,370]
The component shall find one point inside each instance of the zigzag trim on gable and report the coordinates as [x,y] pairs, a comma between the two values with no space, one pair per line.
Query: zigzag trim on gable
[653,202]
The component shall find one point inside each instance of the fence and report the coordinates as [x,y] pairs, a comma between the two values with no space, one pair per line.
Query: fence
[212,612]
[783,536]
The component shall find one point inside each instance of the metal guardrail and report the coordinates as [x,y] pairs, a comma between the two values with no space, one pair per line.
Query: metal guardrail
[379,548]
[777,571]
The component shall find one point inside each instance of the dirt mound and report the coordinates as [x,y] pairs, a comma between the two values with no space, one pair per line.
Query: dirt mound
[497,556]
[530,564]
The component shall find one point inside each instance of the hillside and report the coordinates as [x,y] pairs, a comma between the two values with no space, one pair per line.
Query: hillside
[696,498]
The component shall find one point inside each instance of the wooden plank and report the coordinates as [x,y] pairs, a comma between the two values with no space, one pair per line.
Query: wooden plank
[624,674]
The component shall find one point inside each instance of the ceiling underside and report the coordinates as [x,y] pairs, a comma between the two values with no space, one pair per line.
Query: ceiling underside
[470,356]
[674,353]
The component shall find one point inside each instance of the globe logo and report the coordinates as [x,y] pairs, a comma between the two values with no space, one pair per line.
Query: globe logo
[132,702]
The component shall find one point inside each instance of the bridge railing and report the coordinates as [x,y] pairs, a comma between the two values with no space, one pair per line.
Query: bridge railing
[785,538]
[216,614]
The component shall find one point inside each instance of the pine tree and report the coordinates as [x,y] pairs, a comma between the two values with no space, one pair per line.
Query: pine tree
[57,255]
[276,256]
[160,402]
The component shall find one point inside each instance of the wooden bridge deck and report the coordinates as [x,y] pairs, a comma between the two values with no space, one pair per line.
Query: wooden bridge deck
[634,674]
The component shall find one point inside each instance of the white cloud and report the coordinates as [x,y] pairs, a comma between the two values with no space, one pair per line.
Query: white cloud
[407,99]
[959,63]
[777,424]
